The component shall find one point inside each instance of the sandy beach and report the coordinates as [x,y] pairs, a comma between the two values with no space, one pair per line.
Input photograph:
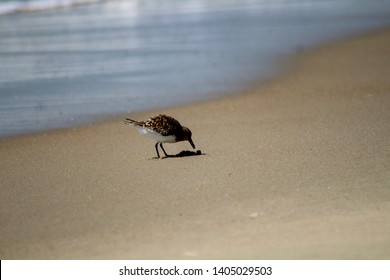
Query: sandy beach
[297,168]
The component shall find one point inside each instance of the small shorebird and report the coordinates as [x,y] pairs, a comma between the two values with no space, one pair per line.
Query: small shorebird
[163,129]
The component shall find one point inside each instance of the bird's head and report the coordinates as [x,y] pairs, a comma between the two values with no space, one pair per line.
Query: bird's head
[187,134]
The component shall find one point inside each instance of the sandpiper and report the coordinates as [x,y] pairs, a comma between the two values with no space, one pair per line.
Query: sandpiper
[163,129]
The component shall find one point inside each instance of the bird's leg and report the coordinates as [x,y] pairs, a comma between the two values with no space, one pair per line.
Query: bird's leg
[158,155]
[162,148]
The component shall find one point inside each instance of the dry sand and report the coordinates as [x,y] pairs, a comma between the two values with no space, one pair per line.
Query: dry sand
[298,168]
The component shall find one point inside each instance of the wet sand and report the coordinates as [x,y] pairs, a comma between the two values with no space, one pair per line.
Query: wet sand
[298,168]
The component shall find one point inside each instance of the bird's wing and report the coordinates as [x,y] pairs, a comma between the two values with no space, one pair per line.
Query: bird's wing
[163,124]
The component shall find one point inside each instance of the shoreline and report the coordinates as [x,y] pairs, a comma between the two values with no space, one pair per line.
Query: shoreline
[286,64]
[297,168]
[97,74]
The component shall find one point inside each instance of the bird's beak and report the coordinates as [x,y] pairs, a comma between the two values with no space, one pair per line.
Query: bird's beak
[192,143]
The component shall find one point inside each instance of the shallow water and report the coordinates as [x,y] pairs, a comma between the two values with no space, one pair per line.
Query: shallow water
[65,67]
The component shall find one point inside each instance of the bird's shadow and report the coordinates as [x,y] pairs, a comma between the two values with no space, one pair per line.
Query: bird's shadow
[186,154]
[183,154]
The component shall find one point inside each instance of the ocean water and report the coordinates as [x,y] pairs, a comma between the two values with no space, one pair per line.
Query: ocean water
[65,62]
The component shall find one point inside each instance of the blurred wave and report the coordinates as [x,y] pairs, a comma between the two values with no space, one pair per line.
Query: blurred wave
[12,6]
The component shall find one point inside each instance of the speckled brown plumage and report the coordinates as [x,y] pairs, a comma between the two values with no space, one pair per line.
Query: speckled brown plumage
[163,124]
